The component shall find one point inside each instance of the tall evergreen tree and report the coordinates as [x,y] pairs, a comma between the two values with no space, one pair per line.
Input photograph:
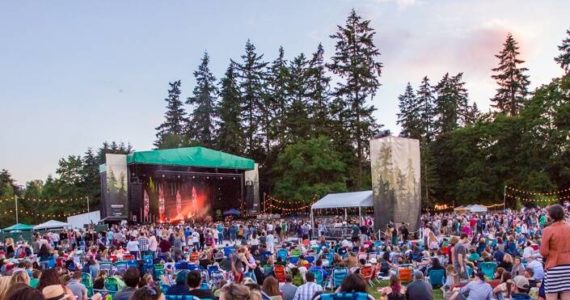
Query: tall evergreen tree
[278,99]
[201,125]
[426,104]
[170,132]
[230,134]
[451,103]
[297,121]
[252,75]
[511,79]
[409,116]
[564,58]
[355,61]
[318,92]
[91,177]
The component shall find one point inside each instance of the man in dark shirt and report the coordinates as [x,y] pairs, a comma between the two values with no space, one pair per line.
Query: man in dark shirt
[419,289]
[194,281]
[180,288]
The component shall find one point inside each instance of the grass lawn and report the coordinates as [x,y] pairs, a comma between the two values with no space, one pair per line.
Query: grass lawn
[437,294]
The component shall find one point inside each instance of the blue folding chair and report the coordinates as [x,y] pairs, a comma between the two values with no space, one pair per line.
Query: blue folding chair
[338,276]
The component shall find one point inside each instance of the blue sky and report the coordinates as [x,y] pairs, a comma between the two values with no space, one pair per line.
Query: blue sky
[76,73]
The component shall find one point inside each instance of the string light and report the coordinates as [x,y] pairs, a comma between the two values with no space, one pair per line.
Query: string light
[539,193]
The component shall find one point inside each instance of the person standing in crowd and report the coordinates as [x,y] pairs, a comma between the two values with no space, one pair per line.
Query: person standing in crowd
[460,256]
[555,248]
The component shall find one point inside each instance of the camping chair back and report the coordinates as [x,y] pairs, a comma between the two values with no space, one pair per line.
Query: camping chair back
[344,296]
[405,274]
[488,268]
[114,284]
[436,278]
[282,253]
[121,266]
[296,252]
[366,273]
[338,276]
[87,281]
[158,271]
[280,273]
[319,276]
[180,297]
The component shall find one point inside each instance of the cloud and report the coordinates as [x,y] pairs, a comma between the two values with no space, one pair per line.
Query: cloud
[401,3]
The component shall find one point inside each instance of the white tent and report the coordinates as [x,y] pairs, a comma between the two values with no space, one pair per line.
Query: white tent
[475,208]
[344,200]
[51,224]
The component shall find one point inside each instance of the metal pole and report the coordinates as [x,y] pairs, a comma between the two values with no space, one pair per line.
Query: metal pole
[16,201]
[87,198]
[505,197]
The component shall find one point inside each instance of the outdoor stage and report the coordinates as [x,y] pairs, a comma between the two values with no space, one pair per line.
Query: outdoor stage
[177,184]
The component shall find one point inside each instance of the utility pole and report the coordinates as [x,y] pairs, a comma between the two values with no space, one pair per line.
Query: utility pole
[505,197]
[87,198]
[16,201]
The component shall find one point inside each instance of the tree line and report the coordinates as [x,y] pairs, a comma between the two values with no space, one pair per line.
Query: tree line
[307,121]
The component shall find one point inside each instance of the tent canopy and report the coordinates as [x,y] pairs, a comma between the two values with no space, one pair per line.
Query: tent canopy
[345,200]
[191,157]
[20,227]
[475,208]
[231,211]
[51,224]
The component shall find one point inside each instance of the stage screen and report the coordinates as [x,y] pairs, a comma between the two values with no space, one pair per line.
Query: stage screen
[172,198]
[116,193]
[396,181]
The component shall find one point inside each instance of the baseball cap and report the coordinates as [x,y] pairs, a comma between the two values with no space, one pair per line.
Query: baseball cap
[373,260]
[521,282]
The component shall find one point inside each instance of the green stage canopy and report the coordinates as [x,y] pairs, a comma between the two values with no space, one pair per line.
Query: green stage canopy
[20,227]
[191,157]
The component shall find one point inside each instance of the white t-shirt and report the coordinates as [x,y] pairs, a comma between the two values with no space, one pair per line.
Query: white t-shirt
[133,246]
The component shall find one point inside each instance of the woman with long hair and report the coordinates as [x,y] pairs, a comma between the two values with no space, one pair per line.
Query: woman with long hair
[555,248]
[20,276]
[22,291]
[354,283]
[271,288]
[395,291]
[505,288]
[4,286]
[51,286]
[234,291]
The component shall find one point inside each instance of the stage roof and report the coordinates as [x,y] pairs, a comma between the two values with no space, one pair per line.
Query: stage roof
[345,200]
[191,157]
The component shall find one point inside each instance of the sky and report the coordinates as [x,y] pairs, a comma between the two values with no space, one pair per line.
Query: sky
[76,73]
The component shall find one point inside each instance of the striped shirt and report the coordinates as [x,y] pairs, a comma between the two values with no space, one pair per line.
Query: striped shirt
[307,291]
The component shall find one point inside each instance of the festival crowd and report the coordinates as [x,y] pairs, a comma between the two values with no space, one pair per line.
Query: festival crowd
[475,256]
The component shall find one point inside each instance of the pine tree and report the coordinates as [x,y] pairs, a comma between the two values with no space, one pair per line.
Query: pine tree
[409,116]
[90,174]
[564,58]
[451,103]
[318,92]
[355,62]
[201,125]
[252,75]
[472,114]
[513,83]
[172,128]
[278,98]
[426,103]
[230,134]
[297,122]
